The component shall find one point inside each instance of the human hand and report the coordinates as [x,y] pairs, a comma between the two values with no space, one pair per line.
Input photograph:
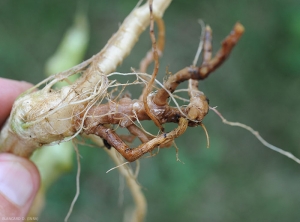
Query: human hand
[19,177]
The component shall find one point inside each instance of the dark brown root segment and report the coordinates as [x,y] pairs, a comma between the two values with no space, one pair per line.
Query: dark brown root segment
[124,115]
[227,45]
[136,131]
[126,111]
[143,136]
[159,46]
[132,154]
[204,70]
[154,73]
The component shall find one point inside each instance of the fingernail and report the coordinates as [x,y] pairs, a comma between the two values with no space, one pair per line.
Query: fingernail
[15,182]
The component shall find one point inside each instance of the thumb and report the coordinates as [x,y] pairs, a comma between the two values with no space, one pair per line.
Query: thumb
[19,183]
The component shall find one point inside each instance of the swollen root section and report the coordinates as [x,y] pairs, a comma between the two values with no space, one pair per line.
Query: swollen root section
[46,116]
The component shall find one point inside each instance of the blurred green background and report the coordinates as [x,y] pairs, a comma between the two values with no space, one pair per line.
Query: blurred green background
[237,179]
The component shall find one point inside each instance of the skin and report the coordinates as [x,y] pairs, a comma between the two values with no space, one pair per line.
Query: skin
[19,177]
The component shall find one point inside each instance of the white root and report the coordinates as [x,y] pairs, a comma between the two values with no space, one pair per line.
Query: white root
[256,134]
[139,213]
[46,116]
[77,184]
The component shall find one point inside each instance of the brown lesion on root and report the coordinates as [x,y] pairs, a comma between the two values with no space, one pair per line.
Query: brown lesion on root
[149,85]
[203,71]
[126,111]
[132,154]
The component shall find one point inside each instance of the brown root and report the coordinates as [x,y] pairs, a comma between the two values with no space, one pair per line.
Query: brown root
[154,73]
[204,70]
[132,154]
[155,107]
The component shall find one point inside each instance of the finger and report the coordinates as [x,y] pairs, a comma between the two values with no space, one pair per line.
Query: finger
[19,183]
